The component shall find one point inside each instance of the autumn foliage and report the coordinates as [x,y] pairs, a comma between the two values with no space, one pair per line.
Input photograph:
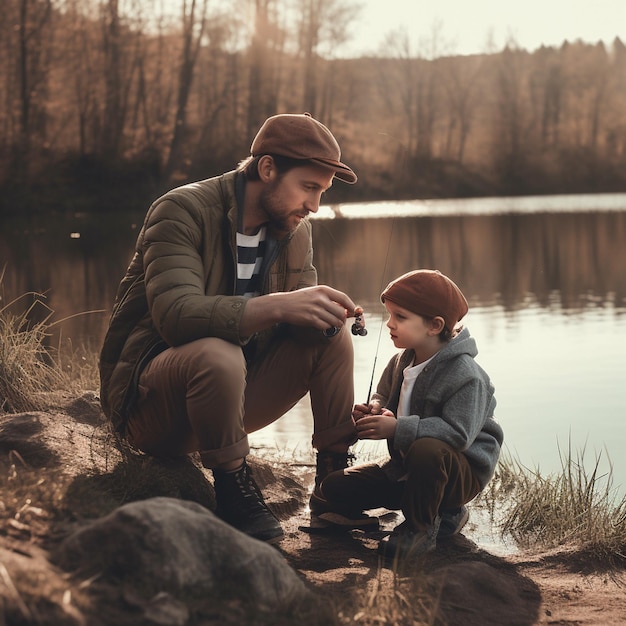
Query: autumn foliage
[116,100]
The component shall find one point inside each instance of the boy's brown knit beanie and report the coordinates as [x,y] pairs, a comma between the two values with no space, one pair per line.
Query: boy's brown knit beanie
[428,293]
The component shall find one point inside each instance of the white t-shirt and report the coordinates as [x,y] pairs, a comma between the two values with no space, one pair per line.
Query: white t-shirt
[411,372]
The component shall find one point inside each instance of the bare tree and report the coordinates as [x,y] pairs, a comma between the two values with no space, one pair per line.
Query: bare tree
[8,86]
[193,20]
[265,54]
[397,85]
[615,120]
[218,91]
[460,79]
[413,81]
[552,103]
[600,92]
[509,130]
[79,59]
[338,34]
[34,32]
[309,40]
[323,29]
[157,84]
[426,111]
[153,85]
[118,46]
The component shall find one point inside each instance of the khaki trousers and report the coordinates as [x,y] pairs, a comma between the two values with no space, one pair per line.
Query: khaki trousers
[203,396]
[439,478]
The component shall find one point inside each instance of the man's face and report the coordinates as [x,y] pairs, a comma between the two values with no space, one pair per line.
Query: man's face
[287,199]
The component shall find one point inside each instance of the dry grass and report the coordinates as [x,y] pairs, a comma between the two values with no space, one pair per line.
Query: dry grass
[26,368]
[30,500]
[578,506]
[77,366]
[410,598]
[29,366]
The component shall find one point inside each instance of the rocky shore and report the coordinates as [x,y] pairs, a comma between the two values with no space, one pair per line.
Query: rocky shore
[92,534]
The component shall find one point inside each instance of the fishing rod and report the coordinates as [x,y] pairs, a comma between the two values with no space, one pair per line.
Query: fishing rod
[358,328]
[380,328]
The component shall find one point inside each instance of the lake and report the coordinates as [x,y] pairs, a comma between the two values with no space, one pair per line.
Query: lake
[545,278]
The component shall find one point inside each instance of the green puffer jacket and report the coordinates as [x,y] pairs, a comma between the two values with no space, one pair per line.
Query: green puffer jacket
[179,285]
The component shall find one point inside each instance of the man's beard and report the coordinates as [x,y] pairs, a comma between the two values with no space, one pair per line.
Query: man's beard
[270,201]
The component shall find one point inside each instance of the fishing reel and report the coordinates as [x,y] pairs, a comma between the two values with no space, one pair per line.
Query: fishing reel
[358,328]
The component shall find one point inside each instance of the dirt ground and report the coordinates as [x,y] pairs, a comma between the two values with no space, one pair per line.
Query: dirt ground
[476,584]
[468,580]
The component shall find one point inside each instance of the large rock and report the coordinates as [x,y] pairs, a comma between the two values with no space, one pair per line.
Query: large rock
[178,547]
[477,593]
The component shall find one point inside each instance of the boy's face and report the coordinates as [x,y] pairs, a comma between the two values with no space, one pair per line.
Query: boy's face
[410,330]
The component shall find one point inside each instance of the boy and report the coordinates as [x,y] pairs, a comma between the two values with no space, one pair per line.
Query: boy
[434,405]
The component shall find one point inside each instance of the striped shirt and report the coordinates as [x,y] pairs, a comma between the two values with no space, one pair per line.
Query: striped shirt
[250,251]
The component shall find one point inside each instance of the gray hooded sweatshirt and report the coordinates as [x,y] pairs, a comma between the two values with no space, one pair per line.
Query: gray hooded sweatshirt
[452,400]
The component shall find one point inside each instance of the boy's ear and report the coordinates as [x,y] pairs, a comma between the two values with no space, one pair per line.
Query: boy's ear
[437,324]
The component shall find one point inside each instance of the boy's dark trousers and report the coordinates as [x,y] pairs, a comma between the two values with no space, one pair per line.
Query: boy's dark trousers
[438,478]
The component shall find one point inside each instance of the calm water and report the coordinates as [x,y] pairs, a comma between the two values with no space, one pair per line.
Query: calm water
[545,279]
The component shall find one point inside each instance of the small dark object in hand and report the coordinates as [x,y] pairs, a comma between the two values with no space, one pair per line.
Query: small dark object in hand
[331,332]
[358,328]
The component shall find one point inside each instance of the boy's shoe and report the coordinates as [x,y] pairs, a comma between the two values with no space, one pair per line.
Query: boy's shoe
[240,503]
[452,522]
[352,520]
[326,463]
[404,543]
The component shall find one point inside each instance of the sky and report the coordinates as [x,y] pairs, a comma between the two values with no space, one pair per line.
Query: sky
[466,26]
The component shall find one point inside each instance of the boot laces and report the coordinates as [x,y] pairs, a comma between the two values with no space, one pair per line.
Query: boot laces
[247,485]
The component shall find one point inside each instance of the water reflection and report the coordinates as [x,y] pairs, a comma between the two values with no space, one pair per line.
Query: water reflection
[559,380]
[502,259]
[547,292]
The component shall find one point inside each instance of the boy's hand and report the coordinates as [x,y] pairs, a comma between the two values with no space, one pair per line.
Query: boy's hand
[381,426]
[361,410]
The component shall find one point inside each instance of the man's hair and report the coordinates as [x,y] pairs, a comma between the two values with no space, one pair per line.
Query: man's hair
[250,165]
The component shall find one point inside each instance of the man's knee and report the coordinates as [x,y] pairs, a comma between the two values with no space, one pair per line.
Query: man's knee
[219,359]
[342,344]
[315,341]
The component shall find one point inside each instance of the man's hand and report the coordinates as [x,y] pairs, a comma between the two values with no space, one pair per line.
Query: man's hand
[381,426]
[361,410]
[318,307]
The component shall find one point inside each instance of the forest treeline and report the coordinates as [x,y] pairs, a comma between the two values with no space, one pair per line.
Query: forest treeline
[104,103]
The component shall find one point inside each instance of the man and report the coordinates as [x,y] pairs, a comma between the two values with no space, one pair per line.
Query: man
[219,326]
